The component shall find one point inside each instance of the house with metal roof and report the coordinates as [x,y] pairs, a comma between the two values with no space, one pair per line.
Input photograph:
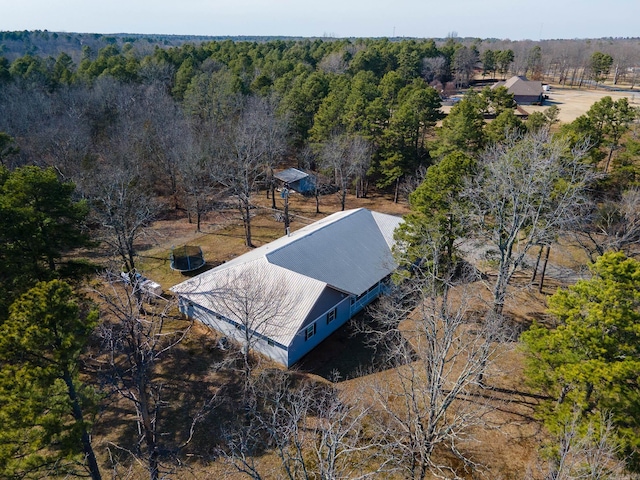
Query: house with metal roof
[297,180]
[525,92]
[284,298]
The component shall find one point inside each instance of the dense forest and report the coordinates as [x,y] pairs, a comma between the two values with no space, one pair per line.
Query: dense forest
[102,135]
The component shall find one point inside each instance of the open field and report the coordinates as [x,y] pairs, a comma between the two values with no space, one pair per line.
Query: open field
[574,102]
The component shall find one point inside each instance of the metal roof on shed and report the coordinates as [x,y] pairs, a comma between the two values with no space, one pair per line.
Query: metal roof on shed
[290,175]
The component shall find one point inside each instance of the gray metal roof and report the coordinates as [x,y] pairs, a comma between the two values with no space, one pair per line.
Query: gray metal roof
[349,251]
[290,175]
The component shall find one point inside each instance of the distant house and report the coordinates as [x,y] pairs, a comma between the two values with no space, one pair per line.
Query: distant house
[297,180]
[325,273]
[525,92]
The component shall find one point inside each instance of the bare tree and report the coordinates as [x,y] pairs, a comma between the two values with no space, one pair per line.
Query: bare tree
[334,62]
[163,138]
[252,146]
[440,354]
[527,190]
[123,208]
[411,182]
[197,179]
[256,302]
[435,69]
[347,158]
[342,446]
[464,62]
[576,452]
[311,427]
[612,225]
[134,340]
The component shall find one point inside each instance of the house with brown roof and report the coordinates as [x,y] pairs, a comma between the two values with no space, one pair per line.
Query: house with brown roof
[525,92]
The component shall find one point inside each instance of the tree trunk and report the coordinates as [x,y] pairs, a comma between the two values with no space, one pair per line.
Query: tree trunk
[606,168]
[78,416]
[286,214]
[395,195]
[145,420]
[535,269]
[273,195]
[245,210]
[544,269]
[500,288]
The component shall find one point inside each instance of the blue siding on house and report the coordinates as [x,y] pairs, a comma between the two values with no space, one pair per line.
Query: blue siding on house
[301,346]
[344,311]
[361,301]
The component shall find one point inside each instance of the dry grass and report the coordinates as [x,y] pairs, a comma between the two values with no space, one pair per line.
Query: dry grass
[507,448]
[222,233]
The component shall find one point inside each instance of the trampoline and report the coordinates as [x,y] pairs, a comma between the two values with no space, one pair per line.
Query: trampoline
[187,258]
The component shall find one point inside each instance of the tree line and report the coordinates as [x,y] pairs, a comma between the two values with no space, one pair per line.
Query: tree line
[92,153]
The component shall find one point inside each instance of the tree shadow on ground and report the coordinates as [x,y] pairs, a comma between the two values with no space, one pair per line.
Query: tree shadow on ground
[199,385]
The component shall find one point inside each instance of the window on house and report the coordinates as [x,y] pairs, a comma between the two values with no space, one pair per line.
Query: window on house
[310,331]
[271,343]
[331,316]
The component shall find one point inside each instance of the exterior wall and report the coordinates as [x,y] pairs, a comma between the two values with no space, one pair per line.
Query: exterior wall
[308,184]
[358,303]
[527,99]
[301,345]
[304,185]
[270,349]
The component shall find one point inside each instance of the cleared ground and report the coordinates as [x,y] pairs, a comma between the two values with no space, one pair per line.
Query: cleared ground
[573,102]
[508,448]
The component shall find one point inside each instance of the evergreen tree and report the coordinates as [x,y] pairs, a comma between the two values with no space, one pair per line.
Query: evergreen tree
[43,405]
[39,222]
[590,360]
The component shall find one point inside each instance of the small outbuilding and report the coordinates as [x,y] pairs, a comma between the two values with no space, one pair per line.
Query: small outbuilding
[525,92]
[294,292]
[297,180]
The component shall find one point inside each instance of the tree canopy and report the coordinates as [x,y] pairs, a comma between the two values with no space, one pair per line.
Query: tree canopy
[43,405]
[590,359]
[39,221]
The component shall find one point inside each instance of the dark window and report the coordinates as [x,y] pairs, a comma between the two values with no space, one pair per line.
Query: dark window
[331,316]
[310,331]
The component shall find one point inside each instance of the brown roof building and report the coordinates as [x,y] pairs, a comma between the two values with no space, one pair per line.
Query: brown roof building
[525,92]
